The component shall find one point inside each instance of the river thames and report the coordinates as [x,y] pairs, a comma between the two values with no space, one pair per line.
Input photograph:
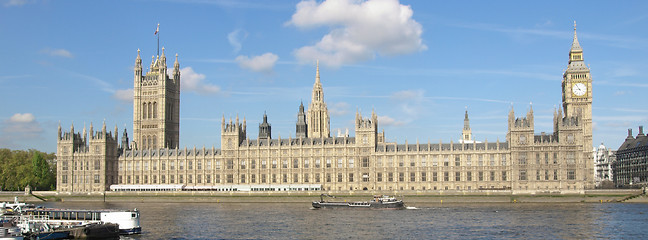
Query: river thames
[428,221]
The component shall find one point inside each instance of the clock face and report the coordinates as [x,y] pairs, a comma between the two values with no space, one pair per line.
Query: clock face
[579,89]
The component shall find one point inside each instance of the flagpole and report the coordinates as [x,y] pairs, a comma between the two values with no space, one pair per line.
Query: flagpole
[158,39]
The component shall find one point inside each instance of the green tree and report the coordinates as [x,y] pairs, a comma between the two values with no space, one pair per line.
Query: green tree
[43,177]
[20,168]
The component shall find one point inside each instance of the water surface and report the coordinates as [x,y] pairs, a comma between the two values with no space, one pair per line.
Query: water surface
[429,221]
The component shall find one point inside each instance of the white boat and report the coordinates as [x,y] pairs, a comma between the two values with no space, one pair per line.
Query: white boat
[378,202]
[128,220]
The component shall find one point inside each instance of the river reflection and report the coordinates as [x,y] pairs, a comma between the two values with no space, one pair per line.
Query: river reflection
[429,221]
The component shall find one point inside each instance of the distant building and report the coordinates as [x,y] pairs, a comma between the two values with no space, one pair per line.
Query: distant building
[631,166]
[313,160]
[603,159]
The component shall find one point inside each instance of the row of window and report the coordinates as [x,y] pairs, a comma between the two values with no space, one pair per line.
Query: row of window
[79,165]
[523,176]
[350,177]
[340,163]
[81,179]
[149,110]
[317,178]
[570,158]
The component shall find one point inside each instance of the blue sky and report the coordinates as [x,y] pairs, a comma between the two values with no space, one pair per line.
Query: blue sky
[418,64]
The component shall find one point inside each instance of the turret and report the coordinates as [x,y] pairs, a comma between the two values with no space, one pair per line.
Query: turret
[511,116]
[374,117]
[162,64]
[530,114]
[103,129]
[176,71]
[466,133]
[366,130]
[85,133]
[124,140]
[301,128]
[265,130]
[138,65]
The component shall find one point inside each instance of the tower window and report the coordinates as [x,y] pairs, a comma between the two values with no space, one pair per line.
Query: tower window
[144,111]
[149,109]
[154,109]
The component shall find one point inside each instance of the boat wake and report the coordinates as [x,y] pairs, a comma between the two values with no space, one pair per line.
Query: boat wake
[412,208]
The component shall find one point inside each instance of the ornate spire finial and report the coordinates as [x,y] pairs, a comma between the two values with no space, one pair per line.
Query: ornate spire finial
[317,75]
[575,45]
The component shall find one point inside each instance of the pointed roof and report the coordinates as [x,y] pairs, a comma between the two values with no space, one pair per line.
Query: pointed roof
[265,117]
[466,121]
[318,94]
[317,75]
[575,45]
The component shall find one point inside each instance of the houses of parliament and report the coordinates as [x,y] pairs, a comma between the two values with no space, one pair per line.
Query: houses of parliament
[314,160]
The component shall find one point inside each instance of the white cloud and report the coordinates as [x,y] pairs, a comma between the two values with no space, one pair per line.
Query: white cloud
[57,52]
[388,121]
[264,63]
[338,109]
[409,95]
[359,30]
[12,3]
[20,126]
[235,39]
[410,101]
[125,95]
[620,93]
[22,118]
[193,81]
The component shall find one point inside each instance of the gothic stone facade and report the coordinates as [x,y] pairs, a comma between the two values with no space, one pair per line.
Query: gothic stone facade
[559,162]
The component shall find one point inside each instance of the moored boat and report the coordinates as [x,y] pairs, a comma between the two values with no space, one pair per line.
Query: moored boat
[127,220]
[378,202]
[9,231]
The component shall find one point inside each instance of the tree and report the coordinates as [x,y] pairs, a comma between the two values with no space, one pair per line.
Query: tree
[43,179]
[20,168]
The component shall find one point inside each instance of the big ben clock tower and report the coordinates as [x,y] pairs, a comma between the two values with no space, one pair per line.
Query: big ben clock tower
[577,100]
[577,85]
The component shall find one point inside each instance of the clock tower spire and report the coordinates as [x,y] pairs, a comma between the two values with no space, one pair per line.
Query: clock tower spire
[577,84]
[577,101]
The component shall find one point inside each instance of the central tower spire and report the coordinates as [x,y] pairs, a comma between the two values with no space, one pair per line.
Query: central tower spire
[318,116]
[466,133]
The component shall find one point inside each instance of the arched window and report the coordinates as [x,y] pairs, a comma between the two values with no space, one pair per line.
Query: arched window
[154,142]
[149,142]
[154,109]
[149,109]
[144,111]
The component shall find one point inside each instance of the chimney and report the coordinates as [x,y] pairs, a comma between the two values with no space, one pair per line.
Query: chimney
[640,131]
[629,134]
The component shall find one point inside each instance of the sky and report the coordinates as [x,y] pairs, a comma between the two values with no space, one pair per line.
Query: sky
[418,64]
